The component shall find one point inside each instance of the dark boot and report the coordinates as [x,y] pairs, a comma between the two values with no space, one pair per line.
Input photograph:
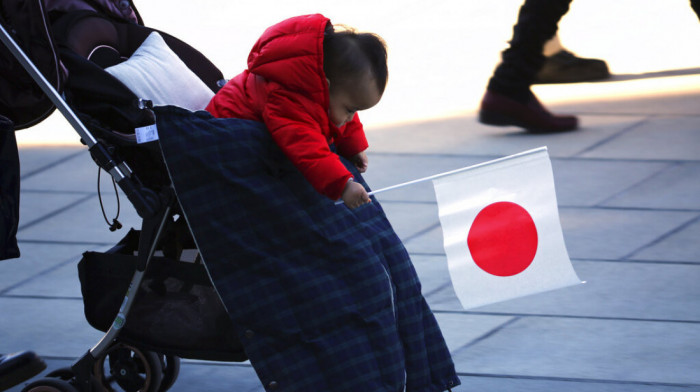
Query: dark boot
[498,109]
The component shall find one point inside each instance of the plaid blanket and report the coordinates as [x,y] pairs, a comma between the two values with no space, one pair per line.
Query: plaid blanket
[324,298]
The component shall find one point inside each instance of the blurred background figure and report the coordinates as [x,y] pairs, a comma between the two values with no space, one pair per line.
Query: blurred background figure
[563,66]
[535,55]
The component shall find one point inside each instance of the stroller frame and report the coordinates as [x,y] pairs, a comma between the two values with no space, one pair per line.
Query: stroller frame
[154,208]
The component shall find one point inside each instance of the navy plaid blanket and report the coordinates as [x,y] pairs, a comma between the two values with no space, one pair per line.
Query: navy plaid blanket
[324,298]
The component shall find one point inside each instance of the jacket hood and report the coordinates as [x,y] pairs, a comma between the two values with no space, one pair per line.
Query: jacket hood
[291,53]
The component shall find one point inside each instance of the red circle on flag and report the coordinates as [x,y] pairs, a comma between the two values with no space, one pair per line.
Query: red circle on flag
[503,239]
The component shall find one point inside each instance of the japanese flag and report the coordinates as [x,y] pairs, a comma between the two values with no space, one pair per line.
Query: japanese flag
[501,229]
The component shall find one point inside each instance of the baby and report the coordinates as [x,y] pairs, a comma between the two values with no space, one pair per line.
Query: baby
[307,82]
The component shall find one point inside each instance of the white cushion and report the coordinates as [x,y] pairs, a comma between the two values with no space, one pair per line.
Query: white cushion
[156,73]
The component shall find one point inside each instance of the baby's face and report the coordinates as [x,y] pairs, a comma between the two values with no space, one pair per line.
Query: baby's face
[345,102]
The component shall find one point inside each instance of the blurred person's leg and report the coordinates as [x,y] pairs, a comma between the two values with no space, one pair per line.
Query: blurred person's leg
[508,99]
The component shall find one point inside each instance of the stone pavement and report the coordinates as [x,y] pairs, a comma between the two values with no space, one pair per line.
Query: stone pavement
[627,186]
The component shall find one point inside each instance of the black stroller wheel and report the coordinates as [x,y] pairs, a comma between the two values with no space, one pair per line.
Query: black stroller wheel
[171,369]
[50,385]
[127,368]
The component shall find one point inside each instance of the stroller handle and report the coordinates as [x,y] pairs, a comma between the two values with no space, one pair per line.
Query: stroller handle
[144,200]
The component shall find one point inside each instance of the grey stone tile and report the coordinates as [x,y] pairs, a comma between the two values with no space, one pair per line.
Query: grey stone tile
[664,138]
[432,272]
[35,206]
[680,246]
[409,219]
[460,330]
[677,187]
[392,169]
[588,182]
[681,104]
[654,352]
[35,261]
[465,136]
[61,281]
[444,300]
[78,173]
[632,290]
[50,327]
[33,159]
[216,377]
[429,241]
[83,221]
[592,233]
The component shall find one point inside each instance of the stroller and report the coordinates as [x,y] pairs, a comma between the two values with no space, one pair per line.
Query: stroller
[54,53]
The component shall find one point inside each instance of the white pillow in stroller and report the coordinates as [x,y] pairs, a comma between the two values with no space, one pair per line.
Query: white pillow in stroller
[156,73]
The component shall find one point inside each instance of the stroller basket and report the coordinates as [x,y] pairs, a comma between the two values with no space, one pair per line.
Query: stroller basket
[177,311]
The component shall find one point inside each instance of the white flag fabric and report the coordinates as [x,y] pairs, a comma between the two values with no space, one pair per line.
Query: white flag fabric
[501,229]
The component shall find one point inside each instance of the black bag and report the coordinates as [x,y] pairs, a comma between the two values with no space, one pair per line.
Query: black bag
[176,310]
[9,190]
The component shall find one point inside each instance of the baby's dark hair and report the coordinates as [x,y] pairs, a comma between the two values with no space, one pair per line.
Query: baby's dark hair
[348,55]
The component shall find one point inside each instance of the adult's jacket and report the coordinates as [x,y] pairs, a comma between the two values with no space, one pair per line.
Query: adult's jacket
[285,87]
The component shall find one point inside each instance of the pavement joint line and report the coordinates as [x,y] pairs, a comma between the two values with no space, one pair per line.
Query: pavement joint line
[54,213]
[579,380]
[565,316]
[52,164]
[486,335]
[438,289]
[553,158]
[42,297]
[572,207]
[52,242]
[637,261]
[59,192]
[663,237]
[420,233]
[614,136]
[625,208]
[645,179]
[38,274]
[632,114]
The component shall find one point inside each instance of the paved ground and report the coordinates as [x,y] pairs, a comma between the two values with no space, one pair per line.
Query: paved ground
[627,186]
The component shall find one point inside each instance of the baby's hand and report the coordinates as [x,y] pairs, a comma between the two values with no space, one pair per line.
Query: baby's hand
[355,195]
[360,161]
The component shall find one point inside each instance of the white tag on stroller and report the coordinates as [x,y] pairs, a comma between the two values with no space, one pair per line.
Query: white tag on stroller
[146,134]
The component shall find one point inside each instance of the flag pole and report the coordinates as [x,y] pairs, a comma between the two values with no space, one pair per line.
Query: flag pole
[448,173]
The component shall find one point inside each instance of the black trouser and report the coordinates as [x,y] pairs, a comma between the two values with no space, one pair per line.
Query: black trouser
[537,23]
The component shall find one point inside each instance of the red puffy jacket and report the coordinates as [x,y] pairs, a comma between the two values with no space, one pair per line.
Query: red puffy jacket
[285,87]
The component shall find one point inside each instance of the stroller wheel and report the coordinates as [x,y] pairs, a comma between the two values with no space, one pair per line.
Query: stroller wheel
[127,368]
[50,385]
[171,369]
